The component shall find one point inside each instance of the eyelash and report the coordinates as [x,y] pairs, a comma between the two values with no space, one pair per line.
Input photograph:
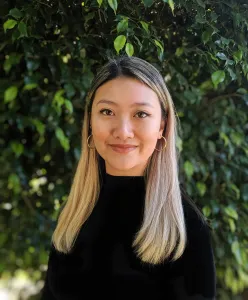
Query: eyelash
[105,109]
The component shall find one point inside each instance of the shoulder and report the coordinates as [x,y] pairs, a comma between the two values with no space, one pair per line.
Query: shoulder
[197,277]
[199,246]
[197,226]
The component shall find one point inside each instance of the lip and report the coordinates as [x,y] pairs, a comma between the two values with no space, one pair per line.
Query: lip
[123,145]
[123,149]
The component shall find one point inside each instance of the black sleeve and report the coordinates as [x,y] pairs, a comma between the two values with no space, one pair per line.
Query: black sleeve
[64,276]
[198,278]
[46,292]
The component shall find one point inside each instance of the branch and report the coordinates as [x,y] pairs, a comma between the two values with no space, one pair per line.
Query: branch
[43,3]
[215,99]
[29,205]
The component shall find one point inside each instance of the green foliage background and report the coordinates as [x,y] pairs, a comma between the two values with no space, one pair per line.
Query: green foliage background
[50,51]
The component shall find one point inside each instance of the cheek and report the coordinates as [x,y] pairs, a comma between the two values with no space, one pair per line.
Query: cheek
[148,134]
[100,138]
[148,141]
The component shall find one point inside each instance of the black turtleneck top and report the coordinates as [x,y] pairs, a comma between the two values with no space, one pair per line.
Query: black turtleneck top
[104,264]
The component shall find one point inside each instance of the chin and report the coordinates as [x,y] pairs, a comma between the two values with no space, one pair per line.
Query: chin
[119,167]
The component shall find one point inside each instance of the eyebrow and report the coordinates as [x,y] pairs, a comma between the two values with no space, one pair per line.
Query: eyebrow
[134,104]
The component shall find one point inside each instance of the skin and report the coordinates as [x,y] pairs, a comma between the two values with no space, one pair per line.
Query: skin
[123,124]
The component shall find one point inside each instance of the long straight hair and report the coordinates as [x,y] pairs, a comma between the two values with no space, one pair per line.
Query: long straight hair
[162,234]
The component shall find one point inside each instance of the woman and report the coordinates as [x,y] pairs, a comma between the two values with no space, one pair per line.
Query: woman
[127,230]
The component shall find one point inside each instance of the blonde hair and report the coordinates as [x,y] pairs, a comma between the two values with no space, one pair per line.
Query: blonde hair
[162,234]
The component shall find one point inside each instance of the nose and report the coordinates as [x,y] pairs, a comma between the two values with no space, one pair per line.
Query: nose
[123,129]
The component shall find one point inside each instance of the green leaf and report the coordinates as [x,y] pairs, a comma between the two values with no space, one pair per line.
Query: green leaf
[17,148]
[190,96]
[32,65]
[229,62]
[211,147]
[222,56]
[206,210]
[179,144]
[30,86]
[10,94]
[214,16]
[122,25]
[225,41]
[238,56]
[119,43]
[236,251]
[172,5]
[188,168]
[206,85]
[242,91]
[232,224]
[159,45]
[62,138]
[3,239]
[235,189]
[22,27]
[225,138]
[218,77]
[179,51]
[244,191]
[212,56]
[11,60]
[113,4]
[232,74]
[70,90]
[9,24]
[245,68]
[237,19]
[16,13]
[129,49]
[237,138]
[201,15]
[88,17]
[69,106]
[206,36]
[7,66]
[139,43]
[58,101]
[58,96]
[201,3]
[14,183]
[201,186]
[145,26]
[231,212]
[147,3]
[39,126]
[99,2]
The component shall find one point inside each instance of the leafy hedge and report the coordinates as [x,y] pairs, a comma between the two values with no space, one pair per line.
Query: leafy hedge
[50,51]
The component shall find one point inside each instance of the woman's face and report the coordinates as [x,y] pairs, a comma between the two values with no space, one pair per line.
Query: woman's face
[120,116]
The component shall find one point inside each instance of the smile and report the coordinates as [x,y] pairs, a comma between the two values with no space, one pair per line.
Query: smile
[122,150]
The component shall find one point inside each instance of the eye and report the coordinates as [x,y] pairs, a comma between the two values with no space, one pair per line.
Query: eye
[140,112]
[101,111]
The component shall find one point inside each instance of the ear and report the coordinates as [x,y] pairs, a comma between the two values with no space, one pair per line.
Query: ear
[162,127]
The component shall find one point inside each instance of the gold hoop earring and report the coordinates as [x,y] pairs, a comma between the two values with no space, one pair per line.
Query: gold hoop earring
[88,142]
[164,145]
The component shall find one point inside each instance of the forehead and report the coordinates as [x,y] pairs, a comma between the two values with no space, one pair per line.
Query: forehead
[126,91]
